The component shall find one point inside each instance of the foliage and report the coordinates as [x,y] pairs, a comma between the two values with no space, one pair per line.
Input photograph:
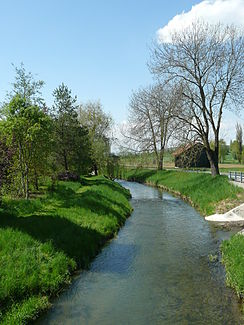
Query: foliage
[98,123]
[72,143]
[26,128]
[223,149]
[239,141]
[43,240]
[234,149]
[113,166]
[6,160]
[27,87]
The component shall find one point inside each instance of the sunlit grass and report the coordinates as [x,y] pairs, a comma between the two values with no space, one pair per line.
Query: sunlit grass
[233,258]
[203,191]
[43,240]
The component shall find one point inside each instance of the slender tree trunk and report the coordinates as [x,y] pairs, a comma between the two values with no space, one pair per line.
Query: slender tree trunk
[22,171]
[95,169]
[27,182]
[161,159]
[36,181]
[213,159]
[65,161]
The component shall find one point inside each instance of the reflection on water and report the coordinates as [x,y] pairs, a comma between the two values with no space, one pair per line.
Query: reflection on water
[156,271]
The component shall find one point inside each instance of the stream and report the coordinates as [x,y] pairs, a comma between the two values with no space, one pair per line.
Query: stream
[156,271]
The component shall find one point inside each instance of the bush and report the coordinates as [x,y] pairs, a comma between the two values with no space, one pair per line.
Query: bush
[68,176]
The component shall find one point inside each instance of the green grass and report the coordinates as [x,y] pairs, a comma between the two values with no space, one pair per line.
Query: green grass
[231,169]
[233,258]
[206,193]
[43,240]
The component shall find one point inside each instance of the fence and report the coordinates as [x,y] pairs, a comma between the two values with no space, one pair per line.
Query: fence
[237,176]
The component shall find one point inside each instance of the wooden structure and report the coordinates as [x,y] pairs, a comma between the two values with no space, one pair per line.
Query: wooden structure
[191,155]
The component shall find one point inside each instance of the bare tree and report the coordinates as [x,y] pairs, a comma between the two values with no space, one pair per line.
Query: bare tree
[208,61]
[151,121]
[239,141]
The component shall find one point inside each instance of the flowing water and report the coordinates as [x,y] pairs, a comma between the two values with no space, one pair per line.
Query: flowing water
[156,271]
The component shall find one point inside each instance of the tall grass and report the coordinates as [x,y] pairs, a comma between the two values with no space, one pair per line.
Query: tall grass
[203,191]
[43,240]
[233,258]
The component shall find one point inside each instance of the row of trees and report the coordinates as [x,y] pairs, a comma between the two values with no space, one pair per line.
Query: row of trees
[199,74]
[65,140]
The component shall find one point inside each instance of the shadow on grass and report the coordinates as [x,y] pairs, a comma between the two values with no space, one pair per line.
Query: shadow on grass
[94,201]
[39,219]
[109,184]
[79,243]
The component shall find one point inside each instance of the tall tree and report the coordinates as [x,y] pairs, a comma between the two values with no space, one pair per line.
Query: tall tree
[71,140]
[24,128]
[151,120]
[99,124]
[27,87]
[208,61]
[239,141]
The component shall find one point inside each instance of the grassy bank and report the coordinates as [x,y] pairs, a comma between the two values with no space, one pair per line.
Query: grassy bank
[207,194]
[44,240]
[233,258]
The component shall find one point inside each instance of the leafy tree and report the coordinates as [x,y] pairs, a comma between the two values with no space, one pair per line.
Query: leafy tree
[26,128]
[99,126]
[239,141]
[27,87]
[72,144]
[234,149]
[223,150]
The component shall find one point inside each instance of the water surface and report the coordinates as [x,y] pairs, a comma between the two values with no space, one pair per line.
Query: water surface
[156,271]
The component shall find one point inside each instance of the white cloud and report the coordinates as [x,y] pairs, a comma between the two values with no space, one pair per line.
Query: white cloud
[212,11]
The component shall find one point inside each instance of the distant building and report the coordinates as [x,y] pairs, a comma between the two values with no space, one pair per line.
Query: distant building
[191,155]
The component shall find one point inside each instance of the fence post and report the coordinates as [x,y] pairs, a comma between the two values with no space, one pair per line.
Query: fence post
[229,175]
[235,177]
[241,177]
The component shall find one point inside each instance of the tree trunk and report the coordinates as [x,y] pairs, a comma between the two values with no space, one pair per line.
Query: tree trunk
[65,161]
[95,169]
[22,171]
[27,182]
[213,159]
[36,181]
[161,159]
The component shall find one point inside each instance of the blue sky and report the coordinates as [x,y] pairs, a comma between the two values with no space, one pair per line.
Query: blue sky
[98,48]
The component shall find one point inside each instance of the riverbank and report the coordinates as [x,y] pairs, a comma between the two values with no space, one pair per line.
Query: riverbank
[208,195]
[44,240]
[156,271]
